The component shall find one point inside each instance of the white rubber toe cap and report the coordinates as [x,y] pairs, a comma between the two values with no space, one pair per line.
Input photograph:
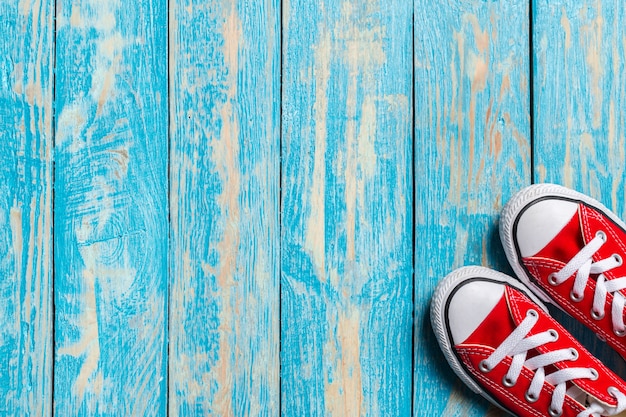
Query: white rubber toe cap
[470,305]
[541,222]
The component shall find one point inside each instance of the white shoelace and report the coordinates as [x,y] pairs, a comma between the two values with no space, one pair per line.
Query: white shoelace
[517,345]
[582,264]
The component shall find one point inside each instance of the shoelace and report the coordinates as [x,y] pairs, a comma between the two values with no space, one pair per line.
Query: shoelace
[517,345]
[582,264]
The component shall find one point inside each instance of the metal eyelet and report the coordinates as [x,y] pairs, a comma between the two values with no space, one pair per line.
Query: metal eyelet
[576,297]
[508,382]
[596,315]
[574,353]
[553,333]
[620,333]
[618,259]
[594,374]
[482,366]
[530,398]
[552,280]
[601,235]
[554,413]
[532,313]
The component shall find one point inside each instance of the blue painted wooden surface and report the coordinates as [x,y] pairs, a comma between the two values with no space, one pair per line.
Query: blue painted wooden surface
[224,199]
[26,145]
[580,93]
[346,322]
[242,208]
[472,141]
[111,208]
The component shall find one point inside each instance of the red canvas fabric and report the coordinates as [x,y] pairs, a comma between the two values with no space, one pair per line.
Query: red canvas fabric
[579,231]
[503,319]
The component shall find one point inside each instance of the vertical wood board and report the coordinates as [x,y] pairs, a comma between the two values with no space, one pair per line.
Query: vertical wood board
[26,142]
[579,95]
[346,208]
[111,213]
[472,152]
[579,54]
[225,112]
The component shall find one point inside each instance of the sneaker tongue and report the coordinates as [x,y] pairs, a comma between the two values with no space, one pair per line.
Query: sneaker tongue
[622,414]
[609,409]
[592,223]
[495,327]
[567,243]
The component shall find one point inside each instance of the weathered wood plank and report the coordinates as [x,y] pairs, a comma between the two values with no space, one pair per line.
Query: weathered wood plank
[579,120]
[472,152]
[346,320]
[111,212]
[26,143]
[579,96]
[225,101]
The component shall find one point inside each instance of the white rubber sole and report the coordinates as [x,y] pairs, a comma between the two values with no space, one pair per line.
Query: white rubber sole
[517,204]
[445,289]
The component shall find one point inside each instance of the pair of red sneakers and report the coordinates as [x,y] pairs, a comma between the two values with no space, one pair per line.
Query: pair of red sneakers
[566,249]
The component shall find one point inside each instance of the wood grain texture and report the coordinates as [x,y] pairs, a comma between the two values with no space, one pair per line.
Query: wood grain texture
[346,208]
[472,152]
[331,238]
[579,119]
[111,212]
[579,95]
[224,323]
[26,143]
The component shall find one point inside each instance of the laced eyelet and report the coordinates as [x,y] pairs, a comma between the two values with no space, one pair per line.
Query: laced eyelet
[594,374]
[552,280]
[482,366]
[601,235]
[508,382]
[620,333]
[553,333]
[596,315]
[576,297]
[554,413]
[530,398]
[618,259]
[574,353]
[532,313]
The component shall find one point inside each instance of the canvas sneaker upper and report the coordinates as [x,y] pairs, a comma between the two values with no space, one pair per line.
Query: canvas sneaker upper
[569,249]
[501,341]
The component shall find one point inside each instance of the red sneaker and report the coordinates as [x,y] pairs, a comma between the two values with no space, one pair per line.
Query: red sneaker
[568,248]
[500,340]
